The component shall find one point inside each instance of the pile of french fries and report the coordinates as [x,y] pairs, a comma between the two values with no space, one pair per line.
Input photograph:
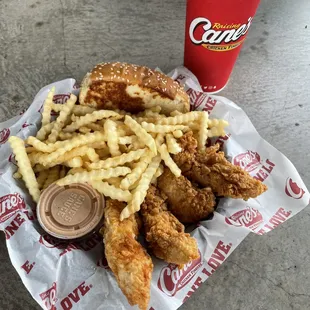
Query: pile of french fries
[118,153]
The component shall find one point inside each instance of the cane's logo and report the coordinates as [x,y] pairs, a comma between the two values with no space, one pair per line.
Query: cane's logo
[4,135]
[51,242]
[293,190]
[248,161]
[172,279]
[217,37]
[49,297]
[198,99]
[249,217]
[61,98]
[10,204]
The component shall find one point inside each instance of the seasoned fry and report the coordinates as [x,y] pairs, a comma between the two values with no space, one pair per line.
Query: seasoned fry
[38,168]
[44,131]
[74,162]
[90,118]
[53,176]
[118,160]
[81,110]
[18,147]
[39,145]
[203,132]
[92,155]
[159,140]
[111,191]
[42,178]
[87,176]
[56,107]
[136,173]
[103,153]
[111,131]
[217,127]
[75,170]
[153,114]
[180,118]
[17,175]
[158,173]
[30,149]
[61,119]
[42,158]
[123,130]
[127,139]
[175,113]
[115,181]
[162,128]
[141,190]
[68,145]
[168,160]
[156,109]
[84,129]
[47,107]
[95,127]
[146,138]
[172,144]
[136,144]
[177,134]
[98,145]
[67,135]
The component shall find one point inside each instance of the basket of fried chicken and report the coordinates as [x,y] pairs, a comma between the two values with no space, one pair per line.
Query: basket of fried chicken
[131,137]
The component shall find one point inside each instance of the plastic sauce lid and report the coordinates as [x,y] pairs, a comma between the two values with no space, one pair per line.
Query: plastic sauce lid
[71,211]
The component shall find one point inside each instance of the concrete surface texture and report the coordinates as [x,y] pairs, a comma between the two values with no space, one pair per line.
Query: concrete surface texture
[44,41]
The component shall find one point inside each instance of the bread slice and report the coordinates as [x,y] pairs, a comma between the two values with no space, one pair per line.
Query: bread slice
[131,88]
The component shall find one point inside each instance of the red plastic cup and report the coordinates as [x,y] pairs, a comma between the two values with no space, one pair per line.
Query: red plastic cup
[214,33]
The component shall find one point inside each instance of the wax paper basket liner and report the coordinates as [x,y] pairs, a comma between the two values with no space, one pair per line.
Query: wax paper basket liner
[76,276]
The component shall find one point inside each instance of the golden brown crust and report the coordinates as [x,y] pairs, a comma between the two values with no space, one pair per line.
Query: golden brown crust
[111,95]
[128,260]
[212,169]
[164,233]
[130,87]
[185,201]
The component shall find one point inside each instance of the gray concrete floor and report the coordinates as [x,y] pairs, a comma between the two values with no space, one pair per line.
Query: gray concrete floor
[44,41]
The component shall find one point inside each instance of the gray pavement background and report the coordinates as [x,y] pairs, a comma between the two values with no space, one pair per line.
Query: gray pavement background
[45,41]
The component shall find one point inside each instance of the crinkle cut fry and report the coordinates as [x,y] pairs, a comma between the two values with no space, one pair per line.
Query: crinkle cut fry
[18,147]
[136,173]
[110,129]
[73,143]
[47,107]
[111,191]
[87,176]
[118,160]
[90,118]
[141,190]
[61,119]
[146,138]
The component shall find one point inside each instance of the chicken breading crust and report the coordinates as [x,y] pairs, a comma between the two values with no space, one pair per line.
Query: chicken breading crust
[128,260]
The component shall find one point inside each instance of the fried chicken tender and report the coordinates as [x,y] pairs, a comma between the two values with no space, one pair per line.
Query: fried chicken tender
[164,232]
[128,260]
[211,168]
[188,203]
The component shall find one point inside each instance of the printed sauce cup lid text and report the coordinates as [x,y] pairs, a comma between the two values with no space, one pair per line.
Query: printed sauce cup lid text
[71,211]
